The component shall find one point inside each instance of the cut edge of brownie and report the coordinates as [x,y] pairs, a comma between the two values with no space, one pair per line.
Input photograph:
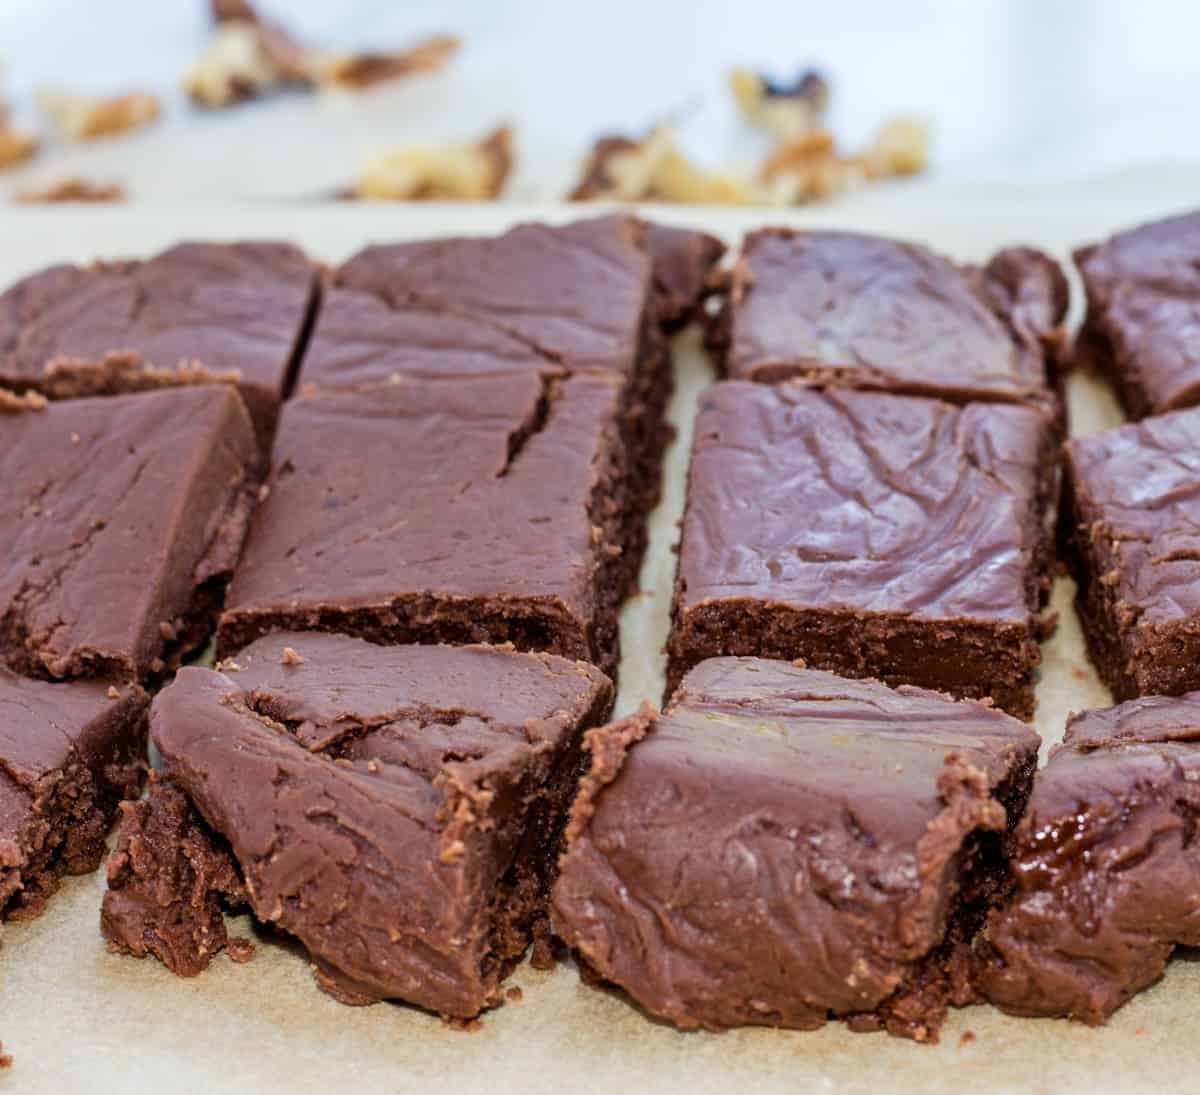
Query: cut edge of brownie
[71,814]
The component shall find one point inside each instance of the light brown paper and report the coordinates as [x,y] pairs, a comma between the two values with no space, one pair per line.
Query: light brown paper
[80,1019]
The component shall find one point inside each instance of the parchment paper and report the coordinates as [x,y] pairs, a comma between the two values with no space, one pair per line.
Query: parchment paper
[79,1019]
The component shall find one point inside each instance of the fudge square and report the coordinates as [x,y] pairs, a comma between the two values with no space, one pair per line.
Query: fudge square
[1133,526]
[397,809]
[120,521]
[871,535]
[68,754]
[1105,867]
[782,846]
[197,312]
[867,312]
[1143,317]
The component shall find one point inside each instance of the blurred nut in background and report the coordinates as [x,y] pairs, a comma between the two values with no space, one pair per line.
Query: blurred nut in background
[84,117]
[786,110]
[470,172]
[73,189]
[236,66]
[355,71]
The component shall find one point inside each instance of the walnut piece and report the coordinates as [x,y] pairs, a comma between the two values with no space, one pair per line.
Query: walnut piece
[653,169]
[16,146]
[470,172]
[786,110]
[356,71]
[900,148]
[237,65]
[73,189]
[84,117]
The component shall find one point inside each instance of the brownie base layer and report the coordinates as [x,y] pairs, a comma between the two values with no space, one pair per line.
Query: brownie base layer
[963,659]
[71,813]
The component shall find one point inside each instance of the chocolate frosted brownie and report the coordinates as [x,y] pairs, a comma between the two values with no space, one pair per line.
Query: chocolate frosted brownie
[397,809]
[871,535]
[783,846]
[120,521]
[836,308]
[68,754]
[1133,526]
[478,509]
[1143,293]
[1105,867]
[683,265]
[195,313]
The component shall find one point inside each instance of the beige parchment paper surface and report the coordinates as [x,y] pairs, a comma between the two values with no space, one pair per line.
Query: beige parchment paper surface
[79,1019]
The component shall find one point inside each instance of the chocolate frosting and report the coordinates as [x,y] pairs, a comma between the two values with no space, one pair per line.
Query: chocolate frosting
[782,845]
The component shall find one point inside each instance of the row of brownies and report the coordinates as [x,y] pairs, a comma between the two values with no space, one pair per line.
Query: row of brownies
[837,814]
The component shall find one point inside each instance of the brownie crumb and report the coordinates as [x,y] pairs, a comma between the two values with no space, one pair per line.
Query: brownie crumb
[290,656]
[5,1058]
[241,950]
[467,1026]
[514,994]
[966,1038]
[14,404]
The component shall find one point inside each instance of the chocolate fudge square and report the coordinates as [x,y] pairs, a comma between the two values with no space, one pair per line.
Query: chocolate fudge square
[478,509]
[1143,314]
[397,809]
[68,754]
[591,296]
[782,846]
[1105,867]
[838,308]
[120,521]
[871,535]
[1133,525]
[198,312]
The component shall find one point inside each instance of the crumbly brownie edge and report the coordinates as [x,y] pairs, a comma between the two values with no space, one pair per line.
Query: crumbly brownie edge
[970,659]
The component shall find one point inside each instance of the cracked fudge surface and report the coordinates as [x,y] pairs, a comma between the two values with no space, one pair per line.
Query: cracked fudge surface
[477,509]
[871,535]
[837,308]
[398,809]
[197,312]
[1143,319]
[1133,531]
[1105,868]
[120,522]
[68,754]
[782,846]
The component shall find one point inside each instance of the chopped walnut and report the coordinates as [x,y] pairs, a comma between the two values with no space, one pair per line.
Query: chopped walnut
[291,656]
[16,146]
[900,148]
[84,117]
[471,172]
[237,65]
[113,692]
[653,169]
[11,403]
[74,189]
[355,71]
[786,110]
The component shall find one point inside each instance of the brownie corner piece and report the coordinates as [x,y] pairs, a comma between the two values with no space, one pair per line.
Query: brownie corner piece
[1104,868]
[859,311]
[121,520]
[397,809]
[1132,511]
[195,313]
[893,537]
[68,754]
[519,518]
[1143,292]
[683,262]
[782,846]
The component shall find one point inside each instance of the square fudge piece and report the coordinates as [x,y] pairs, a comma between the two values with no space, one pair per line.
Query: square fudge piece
[68,754]
[397,809]
[590,296]
[1133,526]
[782,846]
[120,522]
[197,312]
[1105,867]
[837,308]
[479,509]
[1143,317]
[871,535]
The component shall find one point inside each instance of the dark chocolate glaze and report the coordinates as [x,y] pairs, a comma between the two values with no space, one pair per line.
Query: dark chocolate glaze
[1105,870]
[395,808]
[1133,524]
[120,520]
[1143,318]
[782,846]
